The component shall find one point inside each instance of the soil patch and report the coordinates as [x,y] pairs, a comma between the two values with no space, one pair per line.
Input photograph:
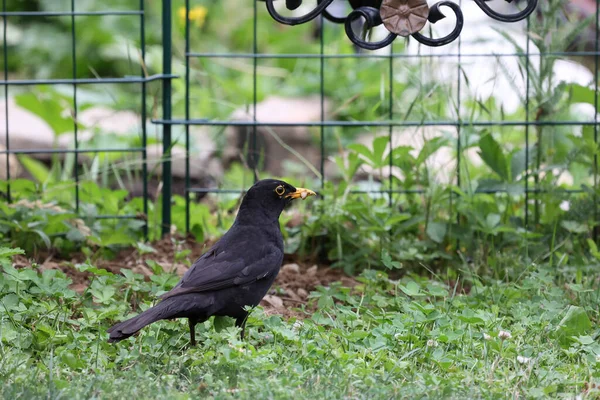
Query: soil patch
[287,297]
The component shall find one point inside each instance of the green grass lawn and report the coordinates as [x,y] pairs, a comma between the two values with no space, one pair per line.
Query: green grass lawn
[536,337]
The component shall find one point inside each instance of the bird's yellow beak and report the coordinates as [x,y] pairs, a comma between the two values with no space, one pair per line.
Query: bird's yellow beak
[301,193]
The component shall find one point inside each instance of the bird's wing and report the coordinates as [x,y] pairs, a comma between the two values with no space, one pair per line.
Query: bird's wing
[233,266]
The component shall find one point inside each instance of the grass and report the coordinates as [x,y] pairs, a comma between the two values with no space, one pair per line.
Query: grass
[518,330]
[410,338]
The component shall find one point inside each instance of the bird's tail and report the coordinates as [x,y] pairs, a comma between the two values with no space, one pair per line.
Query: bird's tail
[131,326]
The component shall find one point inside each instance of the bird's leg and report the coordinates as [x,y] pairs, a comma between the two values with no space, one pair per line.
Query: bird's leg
[192,323]
[241,323]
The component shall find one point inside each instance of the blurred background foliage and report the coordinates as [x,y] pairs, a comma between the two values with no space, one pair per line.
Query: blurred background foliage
[438,219]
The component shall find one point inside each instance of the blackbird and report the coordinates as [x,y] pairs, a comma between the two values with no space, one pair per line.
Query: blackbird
[234,273]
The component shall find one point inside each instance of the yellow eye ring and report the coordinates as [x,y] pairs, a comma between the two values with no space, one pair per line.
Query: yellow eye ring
[280,190]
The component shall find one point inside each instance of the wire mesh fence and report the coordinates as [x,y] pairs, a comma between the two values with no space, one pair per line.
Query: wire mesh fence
[531,125]
[508,87]
[76,79]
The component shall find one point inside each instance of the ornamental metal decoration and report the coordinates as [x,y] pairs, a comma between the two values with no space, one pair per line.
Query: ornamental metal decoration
[399,17]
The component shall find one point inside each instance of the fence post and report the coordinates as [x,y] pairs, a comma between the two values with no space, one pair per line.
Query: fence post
[166,101]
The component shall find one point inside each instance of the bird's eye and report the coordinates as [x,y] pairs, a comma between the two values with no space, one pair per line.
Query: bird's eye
[280,190]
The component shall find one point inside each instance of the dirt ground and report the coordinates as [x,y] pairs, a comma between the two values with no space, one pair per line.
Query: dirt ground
[289,293]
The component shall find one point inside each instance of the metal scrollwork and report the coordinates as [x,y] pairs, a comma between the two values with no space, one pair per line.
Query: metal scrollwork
[507,18]
[292,5]
[399,17]
[435,15]
[332,18]
[372,19]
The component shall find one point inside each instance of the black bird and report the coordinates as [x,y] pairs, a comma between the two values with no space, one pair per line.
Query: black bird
[236,272]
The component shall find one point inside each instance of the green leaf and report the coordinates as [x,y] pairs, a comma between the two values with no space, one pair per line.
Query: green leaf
[117,238]
[105,295]
[29,275]
[9,302]
[402,158]
[49,105]
[397,218]
[581,94]
[517,163]
[354,163]
[71,360]
[155,267]
[221,323]
[412,289]
[376,157]
[320,319]
[75,235]
[430,147]
[37,169]
[593,248]
[492,221]
[6,252]
[437,231]
[357,335]
[93,270]
[8,334]
[575,323]
[198,231]
[470,317]
[437,291]
[44,237]
[361,149]
[144,248]
[584,340]
[574,226]
[386,259]
[379,146]
[492,154]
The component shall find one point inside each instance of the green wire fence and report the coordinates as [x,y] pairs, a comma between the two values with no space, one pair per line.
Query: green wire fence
[169,119]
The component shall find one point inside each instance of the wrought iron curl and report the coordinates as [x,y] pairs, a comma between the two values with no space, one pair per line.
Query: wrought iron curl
[435,15]
[526,12]
[332,18]
[293,4]
[371,10]
[372,19]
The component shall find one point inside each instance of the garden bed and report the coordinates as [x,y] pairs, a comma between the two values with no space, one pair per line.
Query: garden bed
[290,291]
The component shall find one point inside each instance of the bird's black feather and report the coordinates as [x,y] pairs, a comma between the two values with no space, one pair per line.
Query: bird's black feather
[234,273]
[235,260]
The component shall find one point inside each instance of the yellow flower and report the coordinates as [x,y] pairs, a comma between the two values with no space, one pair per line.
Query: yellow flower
[196,14]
